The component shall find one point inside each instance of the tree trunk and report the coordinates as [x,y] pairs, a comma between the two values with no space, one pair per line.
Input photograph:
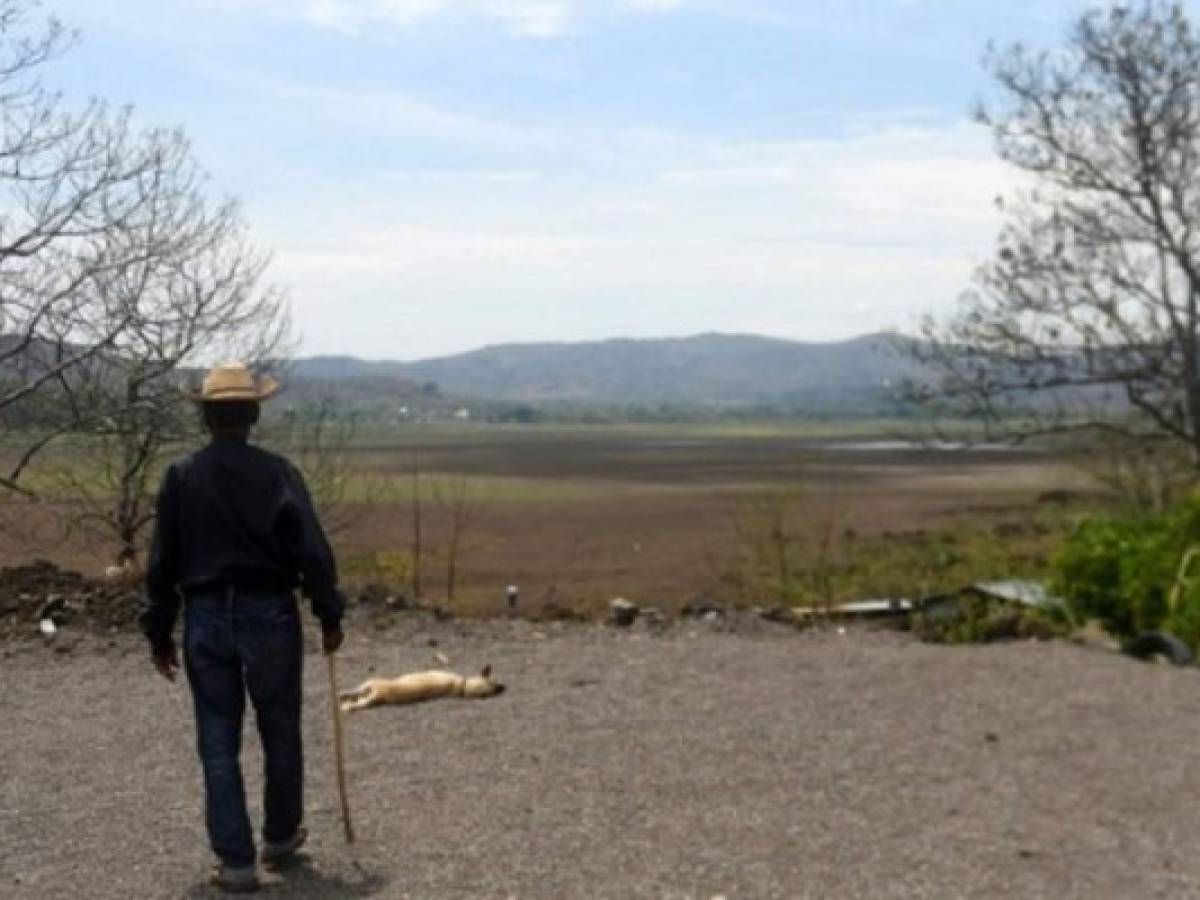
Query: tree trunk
[416,529]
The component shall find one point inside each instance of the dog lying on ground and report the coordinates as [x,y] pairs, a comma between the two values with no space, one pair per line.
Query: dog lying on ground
[417,686]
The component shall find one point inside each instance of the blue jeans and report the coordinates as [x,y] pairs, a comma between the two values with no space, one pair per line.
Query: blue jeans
[237,643]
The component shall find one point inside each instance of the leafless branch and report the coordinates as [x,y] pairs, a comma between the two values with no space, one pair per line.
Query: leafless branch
[1089,312]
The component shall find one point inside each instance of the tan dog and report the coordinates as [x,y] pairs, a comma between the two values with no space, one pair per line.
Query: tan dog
[417,686]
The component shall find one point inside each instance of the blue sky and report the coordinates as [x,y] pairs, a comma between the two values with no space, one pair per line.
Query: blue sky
[436,175]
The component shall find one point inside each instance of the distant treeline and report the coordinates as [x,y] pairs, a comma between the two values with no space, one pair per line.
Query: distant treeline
[588,413]
[672,413]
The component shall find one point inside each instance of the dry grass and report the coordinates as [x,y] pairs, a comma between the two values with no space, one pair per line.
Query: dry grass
[576,516]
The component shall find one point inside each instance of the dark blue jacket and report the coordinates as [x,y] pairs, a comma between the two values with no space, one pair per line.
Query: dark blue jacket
[235,515]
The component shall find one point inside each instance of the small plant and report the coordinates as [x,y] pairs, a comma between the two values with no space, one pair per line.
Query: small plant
[391,568]
[461,508]
[1126,572]
[786,550]
[978,619]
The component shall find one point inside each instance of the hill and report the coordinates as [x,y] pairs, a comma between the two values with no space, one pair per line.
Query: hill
[710,370]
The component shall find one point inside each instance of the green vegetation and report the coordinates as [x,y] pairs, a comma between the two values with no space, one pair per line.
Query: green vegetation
[790,552]
[392,568]
[795,554]
[1126,572]
[924,564]
[979,620]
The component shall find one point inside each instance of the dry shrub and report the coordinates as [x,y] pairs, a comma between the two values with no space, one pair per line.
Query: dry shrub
[787,548]
[1144,474]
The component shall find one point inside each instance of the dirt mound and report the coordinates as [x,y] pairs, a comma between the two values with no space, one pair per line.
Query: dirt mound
[41,590]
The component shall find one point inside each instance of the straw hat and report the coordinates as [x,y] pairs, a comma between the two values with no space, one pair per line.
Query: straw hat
[233,381]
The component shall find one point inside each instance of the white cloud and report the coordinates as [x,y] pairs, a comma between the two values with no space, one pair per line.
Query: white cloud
[357,16]
[463,176]
[523,18]
[808,239]
[349,16]
[654,5]
[531,18]
[382,112]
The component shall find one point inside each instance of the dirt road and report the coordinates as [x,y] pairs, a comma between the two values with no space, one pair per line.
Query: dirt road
[618,765]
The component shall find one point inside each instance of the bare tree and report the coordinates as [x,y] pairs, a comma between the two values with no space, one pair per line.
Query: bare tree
[787,548]
[1089,313]
[319,438]
[416,501]
[73,186]
[1143,475]
[461,506]
[190,293]
[766,566]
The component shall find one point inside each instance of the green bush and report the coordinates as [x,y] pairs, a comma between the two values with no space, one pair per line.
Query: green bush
[1120,570]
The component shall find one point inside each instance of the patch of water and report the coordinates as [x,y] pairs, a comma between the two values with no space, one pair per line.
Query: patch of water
[893,446]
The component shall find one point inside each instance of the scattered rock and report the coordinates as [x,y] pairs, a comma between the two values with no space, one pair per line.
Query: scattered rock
[622,612]
[54,609]
[374,594]
[41,591]
[703,609]
[651,619]
[781,614]
[556,612]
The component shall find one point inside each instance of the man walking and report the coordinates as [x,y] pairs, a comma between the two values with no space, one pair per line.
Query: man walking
[235,535]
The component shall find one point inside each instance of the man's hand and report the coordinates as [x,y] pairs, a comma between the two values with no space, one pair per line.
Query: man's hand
[331,639]
[166,660]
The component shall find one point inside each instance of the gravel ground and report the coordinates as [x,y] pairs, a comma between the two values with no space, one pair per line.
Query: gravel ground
[690,765]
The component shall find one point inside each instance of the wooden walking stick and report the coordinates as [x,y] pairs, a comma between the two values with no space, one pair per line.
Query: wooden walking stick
[339,747]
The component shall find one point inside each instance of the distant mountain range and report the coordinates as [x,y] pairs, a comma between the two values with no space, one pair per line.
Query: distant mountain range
[708,370]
